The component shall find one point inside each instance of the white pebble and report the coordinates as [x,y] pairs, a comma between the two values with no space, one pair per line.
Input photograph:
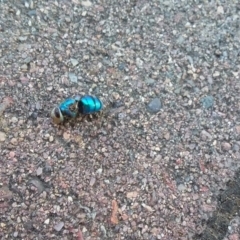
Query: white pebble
[47,221]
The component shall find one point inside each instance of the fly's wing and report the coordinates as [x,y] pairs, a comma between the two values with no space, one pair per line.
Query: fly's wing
[67,107]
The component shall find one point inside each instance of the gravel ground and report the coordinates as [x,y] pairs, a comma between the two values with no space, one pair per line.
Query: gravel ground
[162,160]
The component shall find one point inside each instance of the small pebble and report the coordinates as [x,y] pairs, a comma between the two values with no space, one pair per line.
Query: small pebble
[26,4]
[24,67]
[22,39]
[116,95]
[226,146]
[38,105]
[121,66]
[73,77]
[2,136]
[150,209]
[92,181]
[24,80]
[103,229]
[50,88]
[14,120]
[39,171]
[47,221]
[19,219]
[18,12]
[154,106]
[74,62]
[207,102]
[218,53]
[205,135]
[132,194]
[216,74]
[66,136]
[28,60]
[38,184]
[167,135]
[70,199]
[238,129]
[181,187]
[220,10]
[68,19]
[150,81]
[32,12]
[33,115]
[14,141]
[14,205]
[58,227]
[86,3]
[12,154]
[117,104]
[99,171]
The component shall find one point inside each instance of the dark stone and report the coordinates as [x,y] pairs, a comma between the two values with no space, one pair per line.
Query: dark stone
[117,104]
[32,12]
[154,106]
[207,235]
[121,66]
[33,115]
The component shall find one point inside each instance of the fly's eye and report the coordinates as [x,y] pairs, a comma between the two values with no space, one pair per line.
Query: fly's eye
[56,113]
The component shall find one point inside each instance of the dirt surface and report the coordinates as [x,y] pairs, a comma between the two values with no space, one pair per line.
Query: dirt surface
[161,161]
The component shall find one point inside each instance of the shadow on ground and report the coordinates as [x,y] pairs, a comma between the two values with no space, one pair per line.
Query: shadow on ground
[228,208]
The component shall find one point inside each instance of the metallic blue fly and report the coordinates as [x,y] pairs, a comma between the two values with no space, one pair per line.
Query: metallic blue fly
[81,105]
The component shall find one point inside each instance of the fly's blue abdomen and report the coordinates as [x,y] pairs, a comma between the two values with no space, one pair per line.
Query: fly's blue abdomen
[89,104]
